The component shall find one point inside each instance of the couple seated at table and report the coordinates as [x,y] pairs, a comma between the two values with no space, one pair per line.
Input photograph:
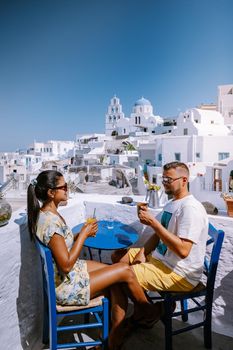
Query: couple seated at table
[175,264]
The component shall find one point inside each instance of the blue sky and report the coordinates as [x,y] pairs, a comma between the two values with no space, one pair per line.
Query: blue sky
[62,60]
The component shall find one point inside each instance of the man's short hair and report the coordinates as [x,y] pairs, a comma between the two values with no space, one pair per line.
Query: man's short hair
[174,165]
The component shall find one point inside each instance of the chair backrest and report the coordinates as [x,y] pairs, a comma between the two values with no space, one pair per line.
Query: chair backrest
[48,275]
[211,261]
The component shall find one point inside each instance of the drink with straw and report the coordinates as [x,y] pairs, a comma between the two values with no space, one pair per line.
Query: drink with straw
[91,219]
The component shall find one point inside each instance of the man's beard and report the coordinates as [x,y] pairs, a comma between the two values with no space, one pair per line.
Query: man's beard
[169,192]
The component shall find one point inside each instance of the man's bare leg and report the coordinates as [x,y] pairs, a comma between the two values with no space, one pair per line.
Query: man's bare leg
[120,255]
[140,257]
[123,256]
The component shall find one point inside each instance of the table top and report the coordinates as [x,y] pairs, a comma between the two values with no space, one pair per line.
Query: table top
[118,237]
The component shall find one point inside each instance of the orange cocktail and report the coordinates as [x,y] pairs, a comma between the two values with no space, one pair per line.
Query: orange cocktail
[90,220]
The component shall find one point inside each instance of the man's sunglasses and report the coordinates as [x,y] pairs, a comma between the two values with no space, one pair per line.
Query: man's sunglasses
[169,180]
[63,187]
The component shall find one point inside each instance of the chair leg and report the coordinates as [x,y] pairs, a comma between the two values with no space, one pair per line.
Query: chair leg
[90,253]
[184,307]
[53,338]
[168,324]
[105,317]
[208,327]
[45,338]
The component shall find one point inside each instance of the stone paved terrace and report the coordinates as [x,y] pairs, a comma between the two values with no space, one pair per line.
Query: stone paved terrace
[20,293]
[154,340]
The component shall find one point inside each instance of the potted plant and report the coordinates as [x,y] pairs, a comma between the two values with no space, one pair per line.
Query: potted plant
[152,194]
[228,198]
[5,210]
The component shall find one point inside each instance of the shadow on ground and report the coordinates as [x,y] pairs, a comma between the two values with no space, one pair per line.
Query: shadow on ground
[153,339]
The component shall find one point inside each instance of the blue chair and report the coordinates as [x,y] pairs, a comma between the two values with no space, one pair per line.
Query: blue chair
[204,291]
[98,308]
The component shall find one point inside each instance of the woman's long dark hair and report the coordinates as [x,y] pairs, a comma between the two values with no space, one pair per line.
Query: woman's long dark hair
[38,192]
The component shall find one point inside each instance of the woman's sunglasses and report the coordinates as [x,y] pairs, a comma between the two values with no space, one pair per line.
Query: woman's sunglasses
[63,187]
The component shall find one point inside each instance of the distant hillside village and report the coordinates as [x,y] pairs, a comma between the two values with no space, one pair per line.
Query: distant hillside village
[135,148]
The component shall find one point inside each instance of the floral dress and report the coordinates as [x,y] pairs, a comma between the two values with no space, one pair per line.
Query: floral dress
[72,288]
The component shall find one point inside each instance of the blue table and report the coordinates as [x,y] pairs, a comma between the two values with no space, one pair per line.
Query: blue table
[120,236]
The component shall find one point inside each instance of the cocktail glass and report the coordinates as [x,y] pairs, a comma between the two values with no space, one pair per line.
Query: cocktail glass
[141,205]
[91,219]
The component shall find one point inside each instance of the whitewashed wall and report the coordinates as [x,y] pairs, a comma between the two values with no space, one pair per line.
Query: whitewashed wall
[214,197]
[175,144]
[21,287]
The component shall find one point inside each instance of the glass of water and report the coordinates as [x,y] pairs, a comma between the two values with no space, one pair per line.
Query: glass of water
[110,222]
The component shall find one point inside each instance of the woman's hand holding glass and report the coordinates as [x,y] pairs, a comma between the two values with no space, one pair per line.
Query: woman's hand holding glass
[90,228]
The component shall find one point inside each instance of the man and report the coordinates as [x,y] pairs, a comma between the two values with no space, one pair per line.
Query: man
[172,259]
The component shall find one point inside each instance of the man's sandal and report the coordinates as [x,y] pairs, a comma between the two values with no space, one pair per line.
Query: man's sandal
[147,323]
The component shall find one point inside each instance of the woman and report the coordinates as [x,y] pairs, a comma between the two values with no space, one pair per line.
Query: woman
[76,280]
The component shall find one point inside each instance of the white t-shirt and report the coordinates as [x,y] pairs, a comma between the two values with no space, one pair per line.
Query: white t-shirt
[187,219]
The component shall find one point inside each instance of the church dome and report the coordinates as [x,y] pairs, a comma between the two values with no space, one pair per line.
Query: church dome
[142,102]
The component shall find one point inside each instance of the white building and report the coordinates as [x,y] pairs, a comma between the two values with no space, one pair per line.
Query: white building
[52,149]
[114,115]
[20,174]
[127,158]
[200,136]
[90,142]
[90,139]
[22,164]
[13,162]
[90,148]
[225,103]
[200,122]
[200,139]
[141,121]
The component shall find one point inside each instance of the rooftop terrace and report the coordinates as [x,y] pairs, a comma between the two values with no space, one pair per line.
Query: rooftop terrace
[20,294]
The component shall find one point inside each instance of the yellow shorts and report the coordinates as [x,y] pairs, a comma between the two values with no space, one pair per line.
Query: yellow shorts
[153,275]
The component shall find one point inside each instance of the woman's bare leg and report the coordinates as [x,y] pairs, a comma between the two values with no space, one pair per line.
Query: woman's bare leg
[122,273]
[118,273]
[119,304]
[110,275]
[93,265]
[119,301]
